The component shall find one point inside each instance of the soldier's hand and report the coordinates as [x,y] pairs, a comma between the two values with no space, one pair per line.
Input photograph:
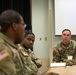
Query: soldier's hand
[51,73]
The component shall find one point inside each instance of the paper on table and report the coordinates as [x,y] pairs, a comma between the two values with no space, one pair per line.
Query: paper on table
[57,64]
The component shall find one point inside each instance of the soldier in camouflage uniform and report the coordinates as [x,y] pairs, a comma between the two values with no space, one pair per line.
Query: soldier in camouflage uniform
[12,31]
[65,48]
[32,63]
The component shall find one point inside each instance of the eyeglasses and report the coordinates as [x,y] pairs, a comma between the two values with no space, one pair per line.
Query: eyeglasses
[23,25]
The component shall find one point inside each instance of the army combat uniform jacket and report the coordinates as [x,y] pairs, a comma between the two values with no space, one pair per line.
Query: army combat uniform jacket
[10,61]
[32,63]
[61,52]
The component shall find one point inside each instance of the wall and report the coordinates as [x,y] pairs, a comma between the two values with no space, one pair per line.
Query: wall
[40,26]
[65,16]
[40,29]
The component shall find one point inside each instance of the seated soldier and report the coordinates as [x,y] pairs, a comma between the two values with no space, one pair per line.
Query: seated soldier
[32,63]
[65,48]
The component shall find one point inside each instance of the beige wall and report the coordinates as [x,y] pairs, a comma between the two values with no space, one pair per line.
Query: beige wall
[41,27]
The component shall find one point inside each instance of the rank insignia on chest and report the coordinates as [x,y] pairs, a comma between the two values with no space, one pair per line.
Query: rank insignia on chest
[25,54]
[3,54]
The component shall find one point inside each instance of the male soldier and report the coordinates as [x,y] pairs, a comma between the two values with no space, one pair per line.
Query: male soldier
[32,63]
[28,44]
[65,48]
[12,31]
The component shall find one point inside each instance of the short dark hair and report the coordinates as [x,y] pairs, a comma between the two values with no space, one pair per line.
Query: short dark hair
[66,30]
[7,18]
[27,33]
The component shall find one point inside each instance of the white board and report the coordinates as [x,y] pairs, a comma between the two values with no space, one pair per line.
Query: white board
[65,16]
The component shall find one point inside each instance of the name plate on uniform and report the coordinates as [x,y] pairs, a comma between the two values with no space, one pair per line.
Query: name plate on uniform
[70,57]
[57,64]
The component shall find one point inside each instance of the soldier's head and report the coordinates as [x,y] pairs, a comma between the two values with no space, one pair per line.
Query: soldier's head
[66,36]
[28,40]
[12,25]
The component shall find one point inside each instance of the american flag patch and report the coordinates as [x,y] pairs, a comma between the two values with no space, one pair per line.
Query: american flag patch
[3,55]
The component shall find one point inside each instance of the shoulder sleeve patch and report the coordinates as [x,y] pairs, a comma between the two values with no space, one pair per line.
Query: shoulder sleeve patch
[55,48]
[3,54]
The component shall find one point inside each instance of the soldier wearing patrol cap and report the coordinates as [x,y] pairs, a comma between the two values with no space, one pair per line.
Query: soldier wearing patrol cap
[65,50]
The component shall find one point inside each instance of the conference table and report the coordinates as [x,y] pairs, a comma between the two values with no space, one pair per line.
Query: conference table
[68,70]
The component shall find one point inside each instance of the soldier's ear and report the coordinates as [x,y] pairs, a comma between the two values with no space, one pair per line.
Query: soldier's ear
[14,26]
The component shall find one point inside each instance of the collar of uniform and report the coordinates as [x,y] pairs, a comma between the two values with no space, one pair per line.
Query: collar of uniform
[69,45]
[7,39]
